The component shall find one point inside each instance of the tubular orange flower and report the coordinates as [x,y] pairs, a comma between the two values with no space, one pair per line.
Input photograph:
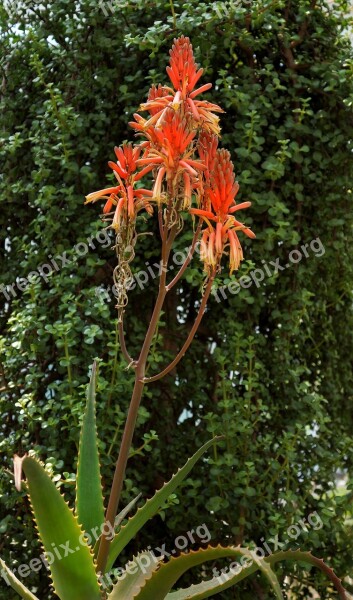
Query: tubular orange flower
[220,191]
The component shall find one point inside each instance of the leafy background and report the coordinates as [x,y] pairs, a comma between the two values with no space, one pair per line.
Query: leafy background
[271,367]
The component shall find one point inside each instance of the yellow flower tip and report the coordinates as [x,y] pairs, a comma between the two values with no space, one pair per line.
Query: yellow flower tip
[94,196]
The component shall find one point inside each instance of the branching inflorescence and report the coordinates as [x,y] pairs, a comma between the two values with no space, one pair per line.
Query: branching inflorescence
[178,147]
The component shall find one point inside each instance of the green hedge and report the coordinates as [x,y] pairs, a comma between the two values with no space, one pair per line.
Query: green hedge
[271,366]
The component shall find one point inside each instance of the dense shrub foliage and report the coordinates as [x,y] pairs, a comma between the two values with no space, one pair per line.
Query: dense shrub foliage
[271,367]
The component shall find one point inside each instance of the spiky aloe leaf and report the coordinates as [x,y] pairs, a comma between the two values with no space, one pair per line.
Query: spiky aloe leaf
[210,588]
[89,498]
[151,507]
[135,576]
[15,583]
[162,581]
[307,557]
[118,519]
[73,574]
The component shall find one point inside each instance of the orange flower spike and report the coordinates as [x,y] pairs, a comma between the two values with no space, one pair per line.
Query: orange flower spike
[221,189]
[183,71]
[184,75]
[127,157]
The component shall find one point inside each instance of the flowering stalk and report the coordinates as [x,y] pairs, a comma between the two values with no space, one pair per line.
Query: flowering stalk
[179,147]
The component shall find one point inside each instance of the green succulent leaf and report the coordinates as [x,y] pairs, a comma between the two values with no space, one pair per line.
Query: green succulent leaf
[89,498]
[162,581]
[151,507]
[229,578]
[135,575]
[73,574]
[209,588]
[307,557]
[15,583]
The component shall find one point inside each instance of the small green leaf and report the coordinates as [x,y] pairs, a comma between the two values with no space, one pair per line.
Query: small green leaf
[135,576]
[128,531]
[73,574]
[89,498]
[15,583]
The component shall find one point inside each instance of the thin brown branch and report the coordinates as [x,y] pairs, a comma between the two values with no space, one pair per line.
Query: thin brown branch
[160,221]
[191,335]
[187,260]
[303,28]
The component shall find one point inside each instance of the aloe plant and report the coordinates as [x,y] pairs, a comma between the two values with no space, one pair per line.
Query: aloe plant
[66,531]
[82,544]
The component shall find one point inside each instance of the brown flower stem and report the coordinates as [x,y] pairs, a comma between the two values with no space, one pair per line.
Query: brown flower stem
[130,424]
[120,471]
[188,258]
[160,221]
[191,335]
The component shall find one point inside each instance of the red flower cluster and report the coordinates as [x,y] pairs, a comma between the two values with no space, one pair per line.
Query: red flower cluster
[218,205]
[126,199]
[184,75]
[180,139]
